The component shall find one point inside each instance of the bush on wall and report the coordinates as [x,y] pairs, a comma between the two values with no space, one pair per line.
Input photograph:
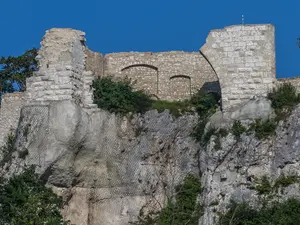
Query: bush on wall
[284,99]
[119,97]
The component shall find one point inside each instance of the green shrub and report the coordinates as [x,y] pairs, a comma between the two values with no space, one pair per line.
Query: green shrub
[7,150]
[182,208]
[239,214]
[284,213]
[264,187]
[263,129]
[119,97]
[284,96]
[205,103]
[176,108]
[284,181]
[284,99]
[25,200]
[238,129]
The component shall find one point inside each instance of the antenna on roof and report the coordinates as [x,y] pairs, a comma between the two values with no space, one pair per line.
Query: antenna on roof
[243,20]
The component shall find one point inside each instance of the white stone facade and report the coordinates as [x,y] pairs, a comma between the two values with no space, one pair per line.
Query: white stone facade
[244,60]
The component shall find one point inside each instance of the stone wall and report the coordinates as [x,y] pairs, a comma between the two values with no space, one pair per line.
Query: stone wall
[94,62]
[239,60]
[10,110]
[243,57]
[62,71]
[168,75]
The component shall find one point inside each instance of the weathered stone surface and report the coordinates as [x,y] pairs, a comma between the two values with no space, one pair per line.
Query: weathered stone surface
[65,69]
[168,75]
[11,105]
[259,108]
[106,167]
[240,162]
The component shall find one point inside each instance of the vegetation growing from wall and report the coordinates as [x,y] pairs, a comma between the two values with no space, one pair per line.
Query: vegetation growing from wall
[283,213]
[263,129]
[15,70]
[205,105]
[264,186]
[176,108]
[284,181]
[119,97]
[238,128]
[25,200]
[284,99]
[182,208]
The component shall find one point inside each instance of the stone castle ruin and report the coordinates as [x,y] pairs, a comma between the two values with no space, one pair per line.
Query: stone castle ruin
[238,62]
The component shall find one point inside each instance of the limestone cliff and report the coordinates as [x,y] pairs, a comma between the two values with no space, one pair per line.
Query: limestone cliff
[108,168]
[231,173]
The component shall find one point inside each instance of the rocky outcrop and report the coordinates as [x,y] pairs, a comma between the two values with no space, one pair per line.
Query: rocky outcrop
[231,173]
[110,168]
[106,167]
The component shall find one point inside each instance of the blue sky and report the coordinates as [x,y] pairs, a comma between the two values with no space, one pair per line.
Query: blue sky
[156,25]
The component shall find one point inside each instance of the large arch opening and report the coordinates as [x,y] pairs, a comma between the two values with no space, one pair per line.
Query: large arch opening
[144,77]
[215,86]
[214,89]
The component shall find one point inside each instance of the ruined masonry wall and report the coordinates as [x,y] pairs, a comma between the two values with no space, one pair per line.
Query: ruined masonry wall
[244,59]
[167,75]
[94,62]
[62,73]
[239,59]
[11,105]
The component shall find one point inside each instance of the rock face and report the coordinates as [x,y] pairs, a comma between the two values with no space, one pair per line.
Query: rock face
[230,172]
[107,168]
